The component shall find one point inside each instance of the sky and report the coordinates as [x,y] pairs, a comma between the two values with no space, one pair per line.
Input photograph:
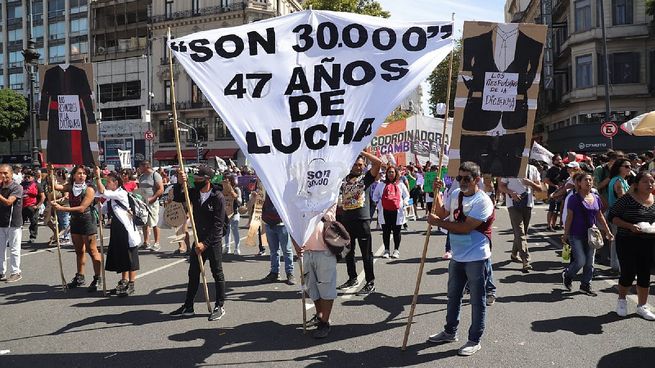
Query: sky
[416,10]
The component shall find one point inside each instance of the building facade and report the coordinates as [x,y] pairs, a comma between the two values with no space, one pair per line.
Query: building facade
[195,113]
[571,112]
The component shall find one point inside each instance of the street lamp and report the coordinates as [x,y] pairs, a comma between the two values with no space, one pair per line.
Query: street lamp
[195,132]
[31,62]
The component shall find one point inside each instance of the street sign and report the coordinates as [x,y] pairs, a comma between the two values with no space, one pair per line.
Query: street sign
[609,129]
[149,135]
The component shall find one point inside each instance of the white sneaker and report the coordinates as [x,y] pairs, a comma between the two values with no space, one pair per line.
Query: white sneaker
[396,254]
[386,254]
[155,247]
[237,251]
[622,307]
[646,314]
[469,348]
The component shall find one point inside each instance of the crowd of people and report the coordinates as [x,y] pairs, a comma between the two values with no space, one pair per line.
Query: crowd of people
[606,196]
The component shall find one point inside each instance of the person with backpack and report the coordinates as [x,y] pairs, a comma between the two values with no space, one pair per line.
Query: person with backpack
[33,198]
[468,216]
[391,196]
[584,210]
[209,216]
[83,224]
[124,237]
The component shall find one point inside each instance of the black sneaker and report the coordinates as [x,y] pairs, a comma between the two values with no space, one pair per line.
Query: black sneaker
[182,311]
[93,286]
[121,288]
[586,289]
[291,280]
[78,280]
[3,277]
[217,313]
[271,277]
[127,289]
[367,289]
[313,322]
[322,331]
[567,282]
[348,284]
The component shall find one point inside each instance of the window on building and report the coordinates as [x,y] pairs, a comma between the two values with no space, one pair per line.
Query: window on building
[168,8]
[56,53]
[622,12]
[197,97]
[583,71]
[121,113]
[200,124]
[56,8]
[37,9]
[16,81]
[2,80]
[624,68]
[166,132]
[41,52]
[221,132]
[582,15]
[57,30]
[79,25]
[195,6]
[79,47]
[2,61]
[78,6]
[14,12]
[167,93]
[16,59]
[120,91]
[652,72]
[37,31]
[15,35]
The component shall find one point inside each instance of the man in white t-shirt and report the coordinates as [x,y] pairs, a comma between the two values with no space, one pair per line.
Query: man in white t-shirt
[520,200]
[468,216]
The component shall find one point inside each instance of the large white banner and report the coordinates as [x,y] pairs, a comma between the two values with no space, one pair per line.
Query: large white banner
[304,94]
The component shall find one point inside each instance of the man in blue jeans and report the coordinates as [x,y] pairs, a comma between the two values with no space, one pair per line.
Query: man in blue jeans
[468,215]
[278,239]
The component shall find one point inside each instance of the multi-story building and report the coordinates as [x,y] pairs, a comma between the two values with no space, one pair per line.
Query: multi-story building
[194,110]
[571,112]
[60,29]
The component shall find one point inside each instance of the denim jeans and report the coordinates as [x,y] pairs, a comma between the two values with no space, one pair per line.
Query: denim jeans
[459,273]
[489,287]
[234,230]
[63,218]
[583,257]
[278,239]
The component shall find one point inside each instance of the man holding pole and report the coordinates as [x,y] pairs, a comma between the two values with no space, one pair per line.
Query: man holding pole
[11,221]
[208,206]
[468,216]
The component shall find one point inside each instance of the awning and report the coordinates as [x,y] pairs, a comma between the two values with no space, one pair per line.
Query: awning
[172,155]
[221,153]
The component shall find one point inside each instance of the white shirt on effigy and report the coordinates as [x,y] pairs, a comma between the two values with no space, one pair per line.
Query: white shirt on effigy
[120,195]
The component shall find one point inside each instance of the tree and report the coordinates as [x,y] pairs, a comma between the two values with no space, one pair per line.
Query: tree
[13,112]
[439,81]
[650,7]
[366,7]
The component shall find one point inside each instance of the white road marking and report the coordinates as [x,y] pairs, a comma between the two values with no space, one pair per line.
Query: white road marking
[161,268]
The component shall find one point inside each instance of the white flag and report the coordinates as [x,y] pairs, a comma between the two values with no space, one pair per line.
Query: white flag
[220,164]
[126,158]
[304,94]
[539,153]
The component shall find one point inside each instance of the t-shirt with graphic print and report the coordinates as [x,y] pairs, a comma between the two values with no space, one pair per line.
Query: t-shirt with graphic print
[355,197]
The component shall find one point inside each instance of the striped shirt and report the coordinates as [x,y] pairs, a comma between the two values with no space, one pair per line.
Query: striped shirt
[629,210]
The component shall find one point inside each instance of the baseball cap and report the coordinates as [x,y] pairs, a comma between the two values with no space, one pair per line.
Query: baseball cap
[573,165]
[205,171]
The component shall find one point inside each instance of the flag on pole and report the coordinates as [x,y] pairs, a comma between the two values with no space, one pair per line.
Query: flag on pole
[539,153]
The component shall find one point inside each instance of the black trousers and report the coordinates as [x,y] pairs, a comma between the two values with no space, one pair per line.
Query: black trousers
[33,216]
[360,230]
[214,254]
[390,218]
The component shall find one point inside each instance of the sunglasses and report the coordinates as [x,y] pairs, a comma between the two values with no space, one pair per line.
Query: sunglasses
[464,179]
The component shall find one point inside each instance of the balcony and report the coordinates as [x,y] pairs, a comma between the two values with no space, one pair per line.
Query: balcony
[180,105]
[212,10]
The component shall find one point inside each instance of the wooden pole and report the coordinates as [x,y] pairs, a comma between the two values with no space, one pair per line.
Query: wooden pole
[54,199]
[185,186]
[102,251]
[427,234]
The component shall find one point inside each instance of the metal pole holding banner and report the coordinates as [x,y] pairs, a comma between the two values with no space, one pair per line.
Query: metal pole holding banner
[102,250]
[185,186]
[427,233]
[54,199]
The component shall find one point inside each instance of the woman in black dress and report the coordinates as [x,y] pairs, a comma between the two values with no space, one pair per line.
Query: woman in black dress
[83,225]
[124,238]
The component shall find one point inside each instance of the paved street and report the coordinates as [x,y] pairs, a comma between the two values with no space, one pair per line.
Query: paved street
[534,322]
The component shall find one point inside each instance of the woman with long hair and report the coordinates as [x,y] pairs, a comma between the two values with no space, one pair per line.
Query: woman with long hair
[632,213]
[391,197]
[124,238]
[618,184]
[82,223]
